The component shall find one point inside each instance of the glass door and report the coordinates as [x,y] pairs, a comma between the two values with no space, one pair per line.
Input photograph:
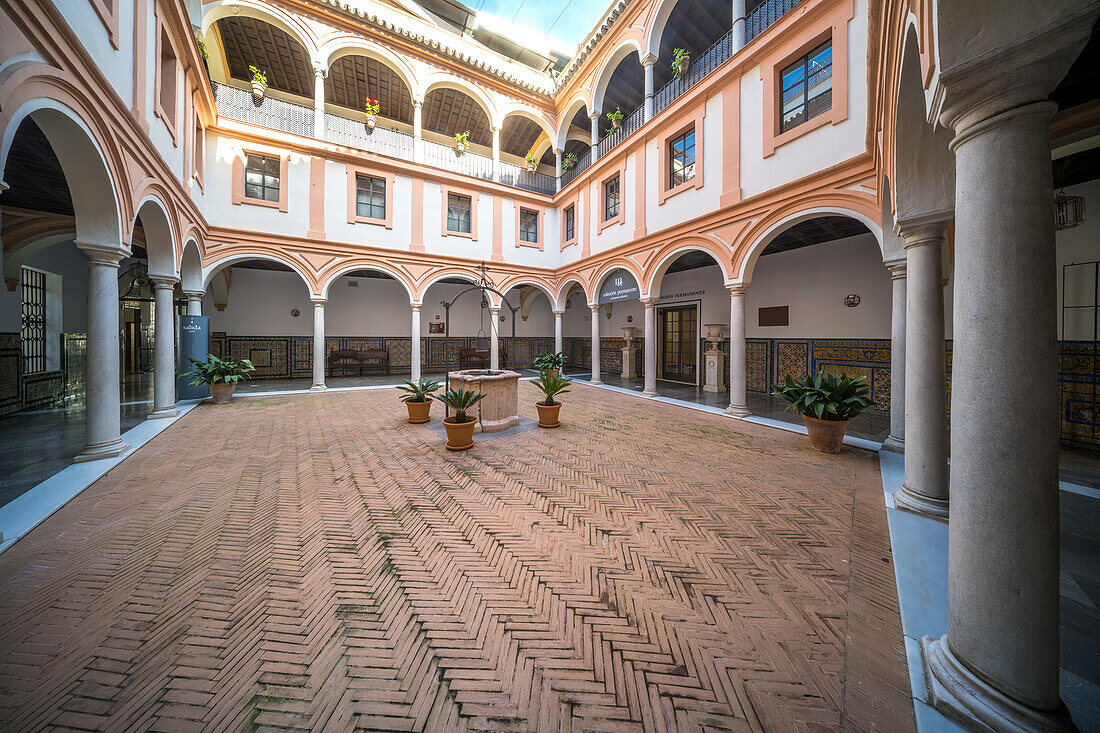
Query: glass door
[679,343]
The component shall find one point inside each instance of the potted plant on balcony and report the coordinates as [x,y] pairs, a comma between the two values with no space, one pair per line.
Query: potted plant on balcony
[616,118]
[550,364]
[826,403]
[532,162]
[462,142]
[204,54]
[568,161]
[681,60]
[549,409]
[221,375]
[460,427]
[259,82]
[371,108]
[419,399]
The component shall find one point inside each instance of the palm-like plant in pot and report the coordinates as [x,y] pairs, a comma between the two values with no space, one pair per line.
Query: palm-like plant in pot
[221,375]
[551,386]
[550,364]
[419,399]
[460,426]
[826,402]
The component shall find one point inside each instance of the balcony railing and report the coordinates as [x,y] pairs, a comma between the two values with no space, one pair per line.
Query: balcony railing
[763,16]
[520,177]
[582,163]
[239,104]
[355,134]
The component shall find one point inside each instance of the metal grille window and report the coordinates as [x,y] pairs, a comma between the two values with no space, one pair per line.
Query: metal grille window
[370,197]
[807,87]
[570,223]
[458,213]
[261,177]
[33,329]
[681,159]
[611,199]
[528,225]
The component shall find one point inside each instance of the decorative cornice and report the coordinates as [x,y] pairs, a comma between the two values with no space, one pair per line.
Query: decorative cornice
[593,40]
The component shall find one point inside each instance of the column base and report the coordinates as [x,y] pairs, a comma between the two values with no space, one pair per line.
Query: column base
[894,445]
[961,696]
[163,413]
[318,388]
[910,501]
[648,393]
[97,452]
[738,411]
[594,381]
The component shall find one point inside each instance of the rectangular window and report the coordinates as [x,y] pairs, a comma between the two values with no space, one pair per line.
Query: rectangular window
[611,199]
[681,159]
[261,177]
[528,226]
[168,74]
[570,223]
[33,328]
[807,87]
[370,197]
[458,213]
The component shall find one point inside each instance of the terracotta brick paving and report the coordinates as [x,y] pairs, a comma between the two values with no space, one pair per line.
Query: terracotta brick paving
[313,562]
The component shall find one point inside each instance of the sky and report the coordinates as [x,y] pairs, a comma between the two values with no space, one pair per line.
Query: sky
[566,21]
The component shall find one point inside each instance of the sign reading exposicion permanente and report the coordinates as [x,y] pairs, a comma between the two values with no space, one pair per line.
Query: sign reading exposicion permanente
[619,285]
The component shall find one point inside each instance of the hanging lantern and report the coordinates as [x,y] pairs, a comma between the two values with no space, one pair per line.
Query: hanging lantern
[1069,211]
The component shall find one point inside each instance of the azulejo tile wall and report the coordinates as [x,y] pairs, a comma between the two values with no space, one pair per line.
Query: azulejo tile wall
[19,391]
[1078,384]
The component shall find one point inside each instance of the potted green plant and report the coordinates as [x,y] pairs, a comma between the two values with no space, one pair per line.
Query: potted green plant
[681,60]
[371,109]
[221,375]
[259,82]
[826,403]
[532,162]
[419,399]
[203,53]
[550,364]
[616,117]
[460,426]
[568,161]
[549,409]
[462,142]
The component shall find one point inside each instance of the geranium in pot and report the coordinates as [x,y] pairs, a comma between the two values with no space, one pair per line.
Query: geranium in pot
[259,82]
[371,109]
[419,399]
[826,403]
[616,117]
[460,426]
[550,364]
[221,375]
[549,408]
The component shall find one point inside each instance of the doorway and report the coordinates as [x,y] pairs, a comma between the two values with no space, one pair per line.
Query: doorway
[679,343]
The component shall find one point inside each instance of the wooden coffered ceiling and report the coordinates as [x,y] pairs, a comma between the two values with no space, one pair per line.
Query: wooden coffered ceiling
[33,174]
[815,231]
[449,111]
[248,41]
[351,79]
[518,135]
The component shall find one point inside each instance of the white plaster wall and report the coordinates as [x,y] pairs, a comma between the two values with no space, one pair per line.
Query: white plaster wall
[221,211]
[615,234]
[117,66]
[1077,286]
[71,265]
[169,149]
[337,227]
[435,214]
[532,256]
[814,151]
[695,202]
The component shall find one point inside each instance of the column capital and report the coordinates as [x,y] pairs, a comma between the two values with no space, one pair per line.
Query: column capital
[192,294]
[649,302]
[103,254]
[648,60]
[558,151]
[593,116]
[417,103]
[925,229]
[164,282]
[320,71]
[558,312]
[594,308]
[494,309]
[737,289]
[318,301]
[896,266]
[415,305]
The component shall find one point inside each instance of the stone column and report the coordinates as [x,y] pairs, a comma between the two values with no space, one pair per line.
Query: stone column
[318,345]
[494,338]
[739,23]
[925,489]
[739,404]
[414,349]
[318,103]
[595,345]
[998,663]
[496,155]
[557,169]
[194,302]
[650,347]
[418,130]
[647,66]
[558,346]
[896,440]
[102,369]
[595,118]
[164,353]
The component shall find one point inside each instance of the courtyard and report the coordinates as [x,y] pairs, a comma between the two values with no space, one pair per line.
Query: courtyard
[314,561]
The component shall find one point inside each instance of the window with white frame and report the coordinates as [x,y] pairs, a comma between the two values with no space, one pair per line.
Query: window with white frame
[528,226]
[611,199]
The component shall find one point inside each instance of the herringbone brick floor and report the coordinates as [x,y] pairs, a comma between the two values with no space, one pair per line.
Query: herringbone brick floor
[314,562]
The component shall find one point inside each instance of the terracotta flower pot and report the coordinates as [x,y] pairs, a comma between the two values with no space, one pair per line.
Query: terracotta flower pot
[531,167]
[825,435]
[462,148]
[685,61]
[460,435]
[548,414]
[553,372]
[419,412]
[258,89]
[616,123]
[222,393]
[371,121]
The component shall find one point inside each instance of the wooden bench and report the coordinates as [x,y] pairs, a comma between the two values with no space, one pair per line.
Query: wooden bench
[472,357]
[366,357]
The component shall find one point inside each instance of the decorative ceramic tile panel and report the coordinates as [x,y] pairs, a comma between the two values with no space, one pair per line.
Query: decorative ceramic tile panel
[11,359]
[758,365]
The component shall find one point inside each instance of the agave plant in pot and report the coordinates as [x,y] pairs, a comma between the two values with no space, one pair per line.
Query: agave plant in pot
[460,426]
[549,408]
[826,403]
[550,364]
[221,375]
[419,399]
